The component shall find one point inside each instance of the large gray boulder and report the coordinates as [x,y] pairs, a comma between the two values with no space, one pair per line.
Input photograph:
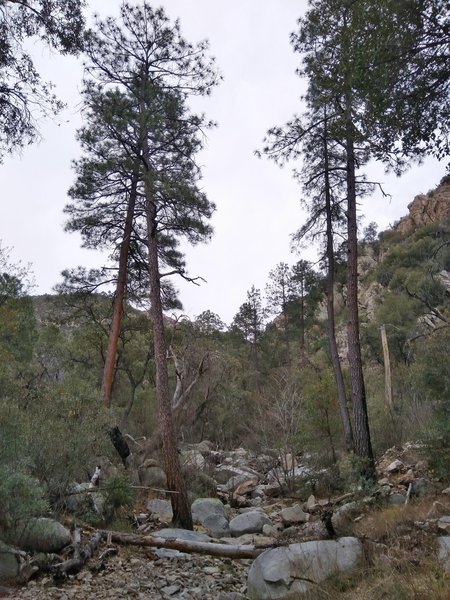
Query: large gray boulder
[160,508]
[444,552]
[295,569]
[249,522]
[41,535]
[9,565]
[210,513]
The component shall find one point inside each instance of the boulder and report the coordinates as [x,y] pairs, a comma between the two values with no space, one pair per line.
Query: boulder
[343,516]
[444,552]
[9,564]
[421,487]
[395,466]
[162,509]
[223,473]
[295,569]
[246,487]
[249,522]
[78,500]
[444,524]
[294,515]
[383,491]
[210,513]
[272,490]
[193,458]
[102,507]
[41,535]
[152,476]
[216,525]
[397,499]
[243,502]
[243,479]
[311,505]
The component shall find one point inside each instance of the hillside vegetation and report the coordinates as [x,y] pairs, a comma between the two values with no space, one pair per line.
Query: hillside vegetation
[273,389]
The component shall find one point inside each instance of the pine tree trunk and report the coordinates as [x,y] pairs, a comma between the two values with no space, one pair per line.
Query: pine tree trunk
[127,411]
[286,328]
[363,444]
[331,325]
[175,483]
[387,369]
[110,361]
[302,316]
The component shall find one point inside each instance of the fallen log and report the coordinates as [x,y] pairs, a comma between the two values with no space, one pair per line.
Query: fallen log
[214,549]
[61,570]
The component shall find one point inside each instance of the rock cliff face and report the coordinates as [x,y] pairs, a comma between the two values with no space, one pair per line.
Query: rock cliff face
[427,208]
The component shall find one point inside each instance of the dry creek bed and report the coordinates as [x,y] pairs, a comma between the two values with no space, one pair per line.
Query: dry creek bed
[139,574]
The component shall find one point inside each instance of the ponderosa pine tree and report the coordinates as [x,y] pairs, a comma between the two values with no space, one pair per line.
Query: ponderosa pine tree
[279,292]
[379,68]
[143,57]
[249,320]
[105,196]
[59,24]
[327,37]
[322,177]
[303,279]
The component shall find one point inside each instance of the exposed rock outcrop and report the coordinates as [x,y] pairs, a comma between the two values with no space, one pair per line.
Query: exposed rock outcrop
[426,209]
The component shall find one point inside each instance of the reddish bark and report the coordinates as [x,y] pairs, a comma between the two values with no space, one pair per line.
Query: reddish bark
[110,361]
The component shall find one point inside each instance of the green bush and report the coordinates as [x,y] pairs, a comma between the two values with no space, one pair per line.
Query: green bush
[21,496]
[65,434]
[353,471]
[118,492]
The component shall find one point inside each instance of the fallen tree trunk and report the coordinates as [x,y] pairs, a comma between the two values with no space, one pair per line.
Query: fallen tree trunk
[73,565]
[214,549]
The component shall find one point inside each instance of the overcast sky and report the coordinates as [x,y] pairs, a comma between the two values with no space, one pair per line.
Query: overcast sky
[257,202]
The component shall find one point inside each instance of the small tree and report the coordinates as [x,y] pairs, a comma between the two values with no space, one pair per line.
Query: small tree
[303,280]
[279,292]
[249,320]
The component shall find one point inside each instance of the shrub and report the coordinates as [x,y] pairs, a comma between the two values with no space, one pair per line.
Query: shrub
[353,472]
[21,497]
[119,492]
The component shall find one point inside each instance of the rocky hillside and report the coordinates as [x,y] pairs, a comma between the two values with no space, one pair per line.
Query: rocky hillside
[427,209]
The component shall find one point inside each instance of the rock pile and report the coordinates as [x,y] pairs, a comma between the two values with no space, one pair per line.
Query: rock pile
[301,543]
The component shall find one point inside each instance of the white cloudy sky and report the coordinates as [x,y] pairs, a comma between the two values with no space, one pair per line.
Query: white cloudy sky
[257,202]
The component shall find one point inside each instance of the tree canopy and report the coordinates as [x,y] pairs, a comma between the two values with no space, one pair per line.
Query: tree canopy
[23,93]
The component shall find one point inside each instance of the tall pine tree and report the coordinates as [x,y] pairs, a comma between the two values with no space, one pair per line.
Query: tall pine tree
[143,60]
